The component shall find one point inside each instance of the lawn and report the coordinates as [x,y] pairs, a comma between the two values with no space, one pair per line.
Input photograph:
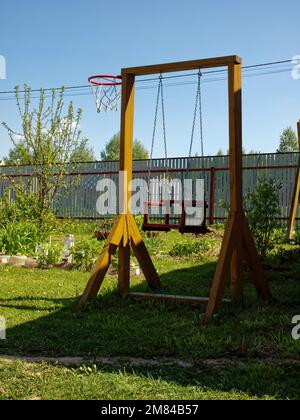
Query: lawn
[42,320]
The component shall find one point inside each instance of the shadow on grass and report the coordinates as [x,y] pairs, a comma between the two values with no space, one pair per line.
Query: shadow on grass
[113,326]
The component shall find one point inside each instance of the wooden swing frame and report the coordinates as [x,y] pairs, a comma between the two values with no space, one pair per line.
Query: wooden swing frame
[238,244]
[295,197]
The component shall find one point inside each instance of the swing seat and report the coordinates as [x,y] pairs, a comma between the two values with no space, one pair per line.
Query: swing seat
[168,222]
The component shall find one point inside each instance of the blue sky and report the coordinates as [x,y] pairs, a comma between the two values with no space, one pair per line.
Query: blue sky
[58,43]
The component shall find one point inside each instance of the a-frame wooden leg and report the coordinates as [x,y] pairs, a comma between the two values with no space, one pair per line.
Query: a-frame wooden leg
[124,268]
[252,258]
[124,234]
[222,270]
[237,284]
[103,263]
[143,257]
[238,245]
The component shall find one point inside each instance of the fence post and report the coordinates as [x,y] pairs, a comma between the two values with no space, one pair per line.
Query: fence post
[212,195]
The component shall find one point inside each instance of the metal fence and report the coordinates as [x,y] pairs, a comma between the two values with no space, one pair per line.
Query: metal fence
[80,201]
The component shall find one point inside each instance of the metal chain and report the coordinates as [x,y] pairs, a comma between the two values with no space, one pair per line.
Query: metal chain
[160,97]
[198,105]
[164,122]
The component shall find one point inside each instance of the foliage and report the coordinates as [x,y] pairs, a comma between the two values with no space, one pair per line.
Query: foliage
[262,208]
[139,222]
[48,256]
[112,150]
[49,139]
[224,205]
[18,155]
[71,226]
[297,237]
[288,141]
[106,224]
[191,248]
[18,205]
[85,254]
[20,238]
[154,244]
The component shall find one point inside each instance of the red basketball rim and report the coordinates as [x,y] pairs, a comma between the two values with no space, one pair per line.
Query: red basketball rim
[111,80]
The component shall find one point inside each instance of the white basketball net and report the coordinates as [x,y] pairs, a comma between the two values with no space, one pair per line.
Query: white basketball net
[107,98]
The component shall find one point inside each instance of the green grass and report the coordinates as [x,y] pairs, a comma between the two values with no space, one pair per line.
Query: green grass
[40,309]
[44,381]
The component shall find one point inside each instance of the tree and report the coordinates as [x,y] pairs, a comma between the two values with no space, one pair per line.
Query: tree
[112,150]
[288,141]
[220,152]
[19,156]
[50,138]
[262,208]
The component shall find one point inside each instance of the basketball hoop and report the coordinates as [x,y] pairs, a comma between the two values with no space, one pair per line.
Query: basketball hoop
[106,91]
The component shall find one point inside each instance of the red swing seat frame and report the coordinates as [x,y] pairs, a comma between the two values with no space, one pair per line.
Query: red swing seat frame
[167,226]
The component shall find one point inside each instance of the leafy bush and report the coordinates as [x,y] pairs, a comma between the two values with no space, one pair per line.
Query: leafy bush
[20,238]
[192,248]
[106,224]
[154,244]
[24,208]
[49,255]
[262,208]
[85,254]
[70,226]
[297,237]
[139,222]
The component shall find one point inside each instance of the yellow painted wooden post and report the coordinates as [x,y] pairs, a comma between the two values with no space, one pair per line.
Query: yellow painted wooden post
[238,244]
[295,197]
[236,173]
[126,145]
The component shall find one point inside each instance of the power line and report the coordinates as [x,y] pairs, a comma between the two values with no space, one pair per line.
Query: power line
[77,87]
[88,93]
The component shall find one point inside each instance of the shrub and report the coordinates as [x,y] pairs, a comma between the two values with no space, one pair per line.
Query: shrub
[23,208]
[192,248]
[70,226]
[262,208]
[297,237]
[20,238]
[154,244]
[48,256]
[85,254]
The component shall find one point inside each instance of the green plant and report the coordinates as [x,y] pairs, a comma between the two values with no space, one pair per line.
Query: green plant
[48,256]
[262,208]
[20,238]
[192,248]
[51,139]
[18,205]
[154,244]
[85,254]
[297,237]
[112,150]
[224,205]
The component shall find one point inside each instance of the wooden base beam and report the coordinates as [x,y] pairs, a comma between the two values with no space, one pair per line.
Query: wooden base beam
[176,299]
